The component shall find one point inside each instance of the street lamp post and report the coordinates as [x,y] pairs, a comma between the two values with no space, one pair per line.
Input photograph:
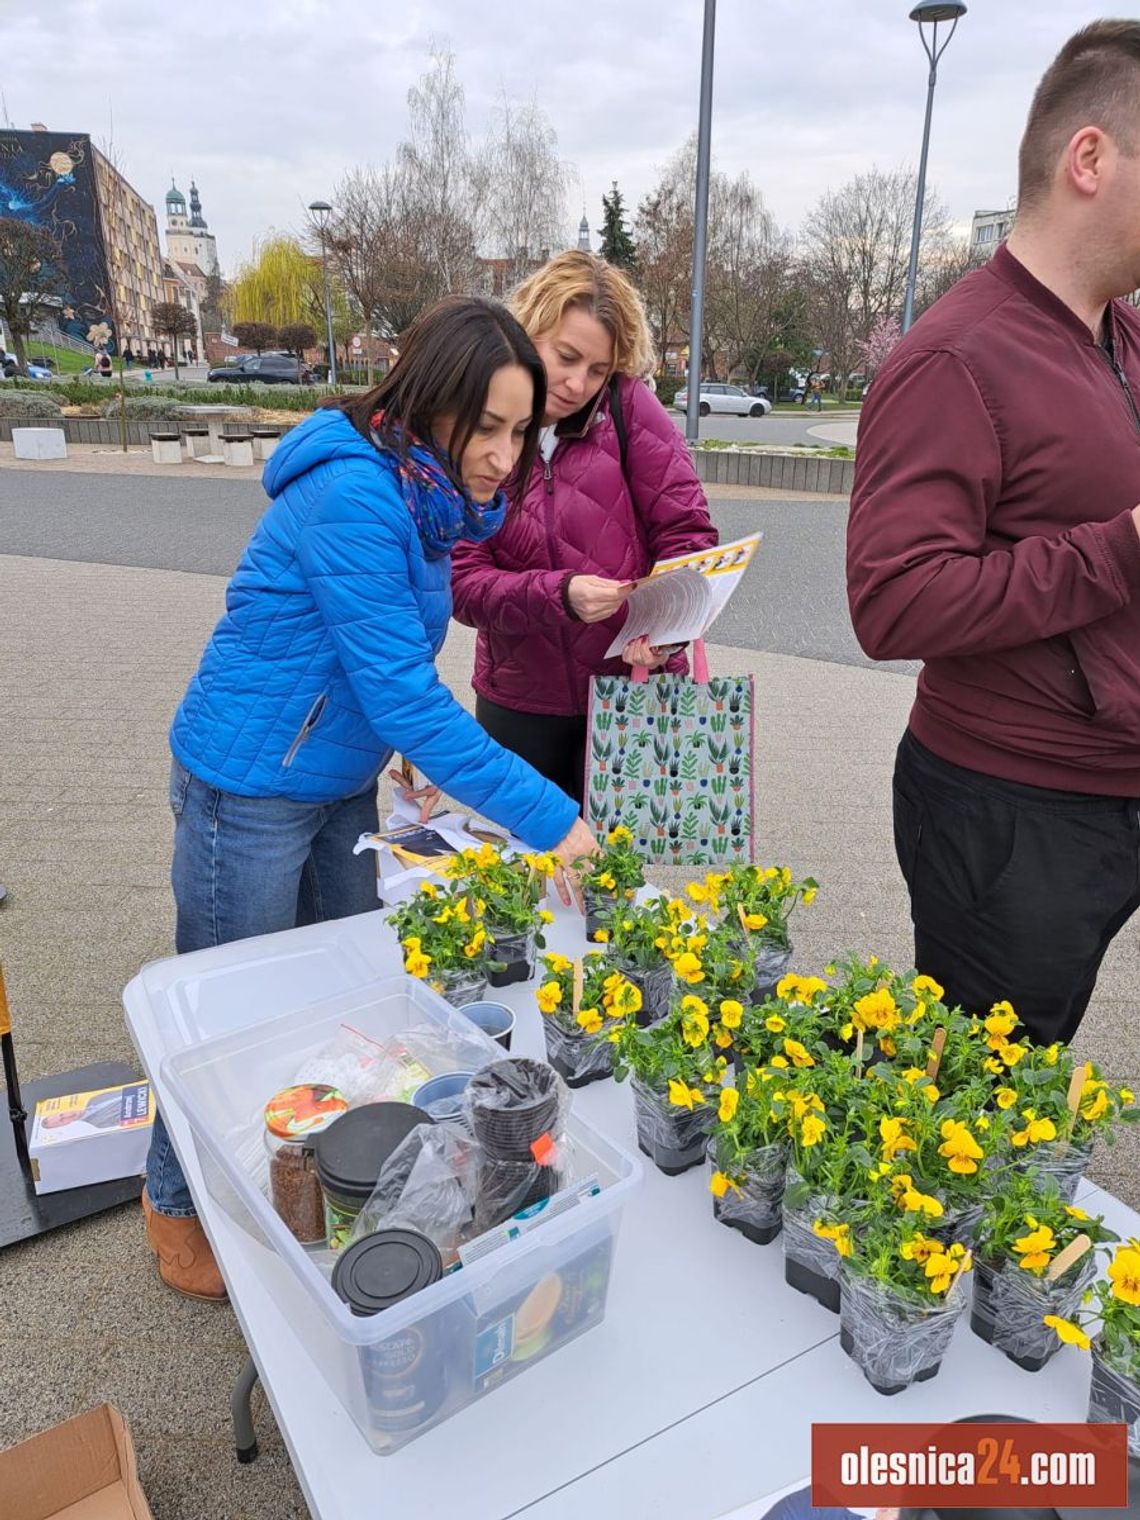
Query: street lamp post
[932,12]
[321,211]
[700,229]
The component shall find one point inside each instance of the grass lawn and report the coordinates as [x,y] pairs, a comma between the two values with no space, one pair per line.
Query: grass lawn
[794,409]
[63,360]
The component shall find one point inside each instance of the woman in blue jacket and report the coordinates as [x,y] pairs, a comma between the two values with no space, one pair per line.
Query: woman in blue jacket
[323,665]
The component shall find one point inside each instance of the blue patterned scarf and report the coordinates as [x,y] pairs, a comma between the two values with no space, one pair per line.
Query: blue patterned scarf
[442,511]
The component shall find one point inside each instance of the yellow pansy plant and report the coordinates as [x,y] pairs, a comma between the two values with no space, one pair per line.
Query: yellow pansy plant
[1041,1080]
[760,900]
[1026,1224]
[606,995]
[1112,1308]
[443,931]
[510,887]
[616,872]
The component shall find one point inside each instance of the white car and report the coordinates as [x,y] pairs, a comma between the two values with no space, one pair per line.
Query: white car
[725,398]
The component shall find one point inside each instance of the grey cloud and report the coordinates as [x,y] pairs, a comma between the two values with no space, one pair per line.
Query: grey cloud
[266,104]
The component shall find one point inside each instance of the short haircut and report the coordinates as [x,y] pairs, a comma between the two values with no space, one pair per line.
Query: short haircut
[447,359]
[583,280]
[1093,81]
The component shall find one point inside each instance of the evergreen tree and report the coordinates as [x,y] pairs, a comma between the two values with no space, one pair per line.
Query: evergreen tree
[617,246]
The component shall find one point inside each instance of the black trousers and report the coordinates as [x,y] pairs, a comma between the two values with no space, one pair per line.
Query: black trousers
[555,746]
[1016,891]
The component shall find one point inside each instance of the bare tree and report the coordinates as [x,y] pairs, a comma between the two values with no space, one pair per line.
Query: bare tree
[29,277]
[172,320]
[946,265]
[747,266]
[442,185]
[361,239]
[525,186]
[856,245]
[663,229]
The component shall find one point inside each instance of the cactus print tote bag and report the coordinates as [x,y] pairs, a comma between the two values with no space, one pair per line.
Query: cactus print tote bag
[671,758]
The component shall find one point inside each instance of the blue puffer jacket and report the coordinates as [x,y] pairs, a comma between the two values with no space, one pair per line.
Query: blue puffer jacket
[323,664]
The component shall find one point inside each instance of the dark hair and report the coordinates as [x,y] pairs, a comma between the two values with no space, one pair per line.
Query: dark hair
[447,359]
[1093,81]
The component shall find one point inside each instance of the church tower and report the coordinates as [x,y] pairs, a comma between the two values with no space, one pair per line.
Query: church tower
[189,241]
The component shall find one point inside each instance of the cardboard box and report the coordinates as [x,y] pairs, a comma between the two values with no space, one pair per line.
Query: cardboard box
[84,1469]
[91,1137]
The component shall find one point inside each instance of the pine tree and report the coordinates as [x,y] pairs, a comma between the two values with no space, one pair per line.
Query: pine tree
[617,246]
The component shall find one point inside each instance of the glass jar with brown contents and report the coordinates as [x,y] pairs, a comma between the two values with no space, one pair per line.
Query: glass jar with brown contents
[294,1118]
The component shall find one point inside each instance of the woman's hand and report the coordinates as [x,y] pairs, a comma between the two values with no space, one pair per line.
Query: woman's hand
[594,598]
[642,652]
[577,844]
[426,796]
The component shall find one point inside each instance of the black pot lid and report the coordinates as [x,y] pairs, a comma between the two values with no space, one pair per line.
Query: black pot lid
[374,1273]
[351,1153]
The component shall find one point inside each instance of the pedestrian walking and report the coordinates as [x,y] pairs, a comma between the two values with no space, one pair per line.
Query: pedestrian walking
[323,665]
[994,534]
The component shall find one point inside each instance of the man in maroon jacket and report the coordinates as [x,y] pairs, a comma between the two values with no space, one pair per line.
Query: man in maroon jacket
[994,534]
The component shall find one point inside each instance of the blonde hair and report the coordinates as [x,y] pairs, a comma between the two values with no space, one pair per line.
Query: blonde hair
[578,279]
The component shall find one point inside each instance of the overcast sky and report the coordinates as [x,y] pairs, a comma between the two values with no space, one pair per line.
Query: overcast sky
[266,104]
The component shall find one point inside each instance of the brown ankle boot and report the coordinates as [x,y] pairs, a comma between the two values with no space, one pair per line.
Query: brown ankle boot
[185,1260]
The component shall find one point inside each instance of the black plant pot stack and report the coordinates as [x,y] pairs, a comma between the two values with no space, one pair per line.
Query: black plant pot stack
[513,1104]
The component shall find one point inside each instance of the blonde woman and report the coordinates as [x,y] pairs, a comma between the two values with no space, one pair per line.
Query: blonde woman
[611,491]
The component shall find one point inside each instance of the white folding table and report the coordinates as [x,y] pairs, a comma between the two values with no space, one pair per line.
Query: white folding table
[695,1394]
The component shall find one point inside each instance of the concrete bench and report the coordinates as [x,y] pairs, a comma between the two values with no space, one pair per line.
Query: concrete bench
[266,437]
[237,449]
[166,445]
[196,437]
[39,443]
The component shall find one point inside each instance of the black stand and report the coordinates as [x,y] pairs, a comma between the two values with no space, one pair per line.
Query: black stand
[245,1441]
[23,1214]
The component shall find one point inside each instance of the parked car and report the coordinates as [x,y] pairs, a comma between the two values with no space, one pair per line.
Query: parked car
[39,372]
[733,399]
[264,369]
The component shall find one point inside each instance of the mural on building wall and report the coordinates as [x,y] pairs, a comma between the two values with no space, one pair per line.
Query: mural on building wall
[48,178]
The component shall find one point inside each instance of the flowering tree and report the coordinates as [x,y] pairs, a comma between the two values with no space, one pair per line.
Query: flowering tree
[885,333]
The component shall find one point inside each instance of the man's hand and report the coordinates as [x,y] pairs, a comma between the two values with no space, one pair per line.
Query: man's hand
[594,598]
[1136,519]
[642,652]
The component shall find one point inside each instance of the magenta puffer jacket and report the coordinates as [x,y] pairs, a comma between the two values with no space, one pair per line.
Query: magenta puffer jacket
[580,516]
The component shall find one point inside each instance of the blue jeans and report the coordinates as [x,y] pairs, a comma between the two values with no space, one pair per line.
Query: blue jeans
[255,865]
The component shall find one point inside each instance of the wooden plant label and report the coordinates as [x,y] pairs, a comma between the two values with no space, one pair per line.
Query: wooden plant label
[741,915]
[576,1001]
[1072,1252]
[859,1053]
[1076,1088]
[937,1046]
[5,1011]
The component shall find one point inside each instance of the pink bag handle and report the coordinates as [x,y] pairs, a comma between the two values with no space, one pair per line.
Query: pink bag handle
[700,662]
[640,673]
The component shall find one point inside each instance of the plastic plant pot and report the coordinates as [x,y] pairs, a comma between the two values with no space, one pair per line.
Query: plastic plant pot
[442,1096]
[755,1208]
[577,1058]
[494,1019]
[518,951]
[673,1138]
[1009,1306]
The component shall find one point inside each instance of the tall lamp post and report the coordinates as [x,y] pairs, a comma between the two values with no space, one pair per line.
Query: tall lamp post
[928,12]
[321,211]
[700,229]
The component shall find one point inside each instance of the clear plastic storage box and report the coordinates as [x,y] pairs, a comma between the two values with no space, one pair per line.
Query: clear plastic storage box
[400,1372]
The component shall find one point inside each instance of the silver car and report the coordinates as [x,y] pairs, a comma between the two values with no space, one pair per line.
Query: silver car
[725,398]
